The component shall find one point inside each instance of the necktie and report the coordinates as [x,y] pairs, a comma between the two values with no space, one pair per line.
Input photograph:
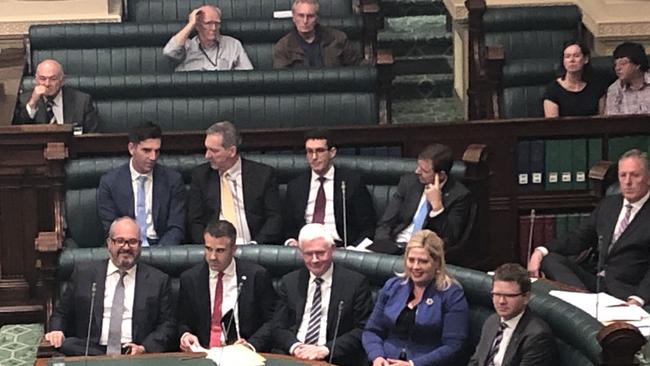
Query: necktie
[624,223]
[313,329]
[420,216]
[141,210]
[114,343]
[49,112]
[227,201]
[489,361]
[215,325]
[319,205]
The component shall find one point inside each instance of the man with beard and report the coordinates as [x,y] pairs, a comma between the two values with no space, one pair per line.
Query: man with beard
[121,321]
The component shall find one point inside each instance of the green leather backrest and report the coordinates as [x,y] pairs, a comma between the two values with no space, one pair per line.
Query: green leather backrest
[146,11]
[574,330]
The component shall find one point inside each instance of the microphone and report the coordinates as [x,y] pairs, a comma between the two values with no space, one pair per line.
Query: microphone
[345,216]
[234,308]
[530,235]
[93,291]
[336,330]
[599,271]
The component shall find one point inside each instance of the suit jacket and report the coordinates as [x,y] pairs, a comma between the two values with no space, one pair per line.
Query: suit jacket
[153,323]
[360,212]
[336,50]
[115,199]
[627,263]
[440,331]
[348,286]
[78,107]
[261,201]
[255,305]
[449,225]
[532,343]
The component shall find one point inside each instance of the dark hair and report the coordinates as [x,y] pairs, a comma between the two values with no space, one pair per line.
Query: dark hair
[143,131]
[319,134]
[440,156]
[220,229]
[633,51]
[587,70]
[513,272]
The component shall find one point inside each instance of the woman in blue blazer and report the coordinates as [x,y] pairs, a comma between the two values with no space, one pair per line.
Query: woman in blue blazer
[420,317]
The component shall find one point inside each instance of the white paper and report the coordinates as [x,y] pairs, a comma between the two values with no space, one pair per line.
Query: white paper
[282,14]
[362,246]
[237,354]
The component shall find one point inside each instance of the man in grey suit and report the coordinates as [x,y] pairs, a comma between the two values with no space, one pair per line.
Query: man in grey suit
[52,102]
[514,336]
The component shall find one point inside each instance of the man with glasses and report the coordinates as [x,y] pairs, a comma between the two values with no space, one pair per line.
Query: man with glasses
[209,50]
[316,196]
[320,299]
[514,335]
[122,322]
[630,93]
[54,103]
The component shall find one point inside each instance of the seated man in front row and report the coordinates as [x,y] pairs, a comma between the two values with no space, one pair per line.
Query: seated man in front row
[429,199]
[514,335]
[133,302]
[209,50]
[146,191]
[618,230]
[314,299]
[311,44]
[225,299]
[51,102]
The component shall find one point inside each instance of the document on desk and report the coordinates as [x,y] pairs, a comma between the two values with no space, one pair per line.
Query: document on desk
[237,354]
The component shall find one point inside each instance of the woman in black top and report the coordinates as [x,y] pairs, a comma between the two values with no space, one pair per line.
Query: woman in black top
[577,92]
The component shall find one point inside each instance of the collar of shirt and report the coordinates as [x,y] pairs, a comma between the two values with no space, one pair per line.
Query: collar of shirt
[329,175]
[230,271]
[111,268]
[135,175]
[626,86]
[215,46]
[512,323]
[57,100]
[327,276]
[235,170]
[636,206]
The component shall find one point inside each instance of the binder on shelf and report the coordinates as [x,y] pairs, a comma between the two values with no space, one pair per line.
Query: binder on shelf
[549,228]
[561,225]
[619,145]
[565,165]
[523,165]
[551,164]
[579,163]
[594,155]
[573,221]
[536,165]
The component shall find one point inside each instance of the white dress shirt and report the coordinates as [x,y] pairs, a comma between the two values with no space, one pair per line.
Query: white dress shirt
[57,108]
[234,177]
[325,291]
[507,335]
[148,198]
[328,186]
[112,278]
[229,299]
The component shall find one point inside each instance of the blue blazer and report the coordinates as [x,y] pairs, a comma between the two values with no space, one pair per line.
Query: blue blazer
[115,199]
[440,331]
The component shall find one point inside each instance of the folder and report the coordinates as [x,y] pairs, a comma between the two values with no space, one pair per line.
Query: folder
[579,163]
[523,165]
[537,165]
[565,165]
[561,225]
[594,154]
[551,163]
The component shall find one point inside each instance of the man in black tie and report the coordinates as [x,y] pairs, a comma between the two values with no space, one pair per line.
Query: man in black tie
[52,102]
[315,299]
[316,196]
[618,230]
[514,335]
[132,303]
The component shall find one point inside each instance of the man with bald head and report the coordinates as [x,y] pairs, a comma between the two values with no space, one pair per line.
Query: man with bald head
[54,103]
[122,323]
[209,50]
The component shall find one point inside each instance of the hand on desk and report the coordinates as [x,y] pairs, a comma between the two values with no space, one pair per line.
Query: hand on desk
[379,361]
[242,341]
[394,362]
[311,352]
[633,302]
[187,341]
[136,349]
[55,337]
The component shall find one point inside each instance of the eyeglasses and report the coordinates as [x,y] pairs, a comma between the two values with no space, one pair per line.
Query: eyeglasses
[121,241]
[211,24]
[317,151]
[506,296]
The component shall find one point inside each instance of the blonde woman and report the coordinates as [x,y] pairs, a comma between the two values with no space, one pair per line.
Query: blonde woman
[420,317]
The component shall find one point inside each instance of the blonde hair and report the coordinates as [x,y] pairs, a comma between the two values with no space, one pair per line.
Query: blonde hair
[431,242]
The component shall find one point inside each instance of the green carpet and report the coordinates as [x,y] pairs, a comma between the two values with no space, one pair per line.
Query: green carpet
[18,344]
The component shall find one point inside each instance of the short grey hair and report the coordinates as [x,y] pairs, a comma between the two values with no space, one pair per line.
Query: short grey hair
[315,231]
[228,132]
[310,2]
[636,153]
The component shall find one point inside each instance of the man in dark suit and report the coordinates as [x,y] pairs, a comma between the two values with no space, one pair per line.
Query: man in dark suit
[148,192]
[311,201]
[316,299]
[429,199]
[244,289]
[618,230]
[514,336]
[52,102]
[235,189]
[132,309]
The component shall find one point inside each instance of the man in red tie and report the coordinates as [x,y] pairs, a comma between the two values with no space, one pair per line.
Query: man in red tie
[225,300]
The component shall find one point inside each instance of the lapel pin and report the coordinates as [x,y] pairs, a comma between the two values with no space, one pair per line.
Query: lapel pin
[429,301]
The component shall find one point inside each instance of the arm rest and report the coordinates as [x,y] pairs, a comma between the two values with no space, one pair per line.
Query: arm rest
[603,174]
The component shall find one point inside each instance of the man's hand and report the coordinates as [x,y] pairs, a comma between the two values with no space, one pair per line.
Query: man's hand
[291,242]
[534,263]
[37,93]
[55,337]
[631,301]
[136,349]
[379,361]
[242,341]
[192,19]
[311,352]
[434,194]
[187,340]
[394,362]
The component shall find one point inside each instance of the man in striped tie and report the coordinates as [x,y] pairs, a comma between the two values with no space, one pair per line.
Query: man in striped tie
[316,300]
[514,335]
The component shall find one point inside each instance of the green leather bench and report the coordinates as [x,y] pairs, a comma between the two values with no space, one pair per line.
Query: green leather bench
[575,331]
[83,228]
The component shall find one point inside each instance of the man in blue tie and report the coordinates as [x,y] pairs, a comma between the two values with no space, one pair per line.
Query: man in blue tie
[430,198]
[148,192]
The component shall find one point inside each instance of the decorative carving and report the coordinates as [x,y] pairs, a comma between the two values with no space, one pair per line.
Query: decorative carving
[47,241]
[55,151]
